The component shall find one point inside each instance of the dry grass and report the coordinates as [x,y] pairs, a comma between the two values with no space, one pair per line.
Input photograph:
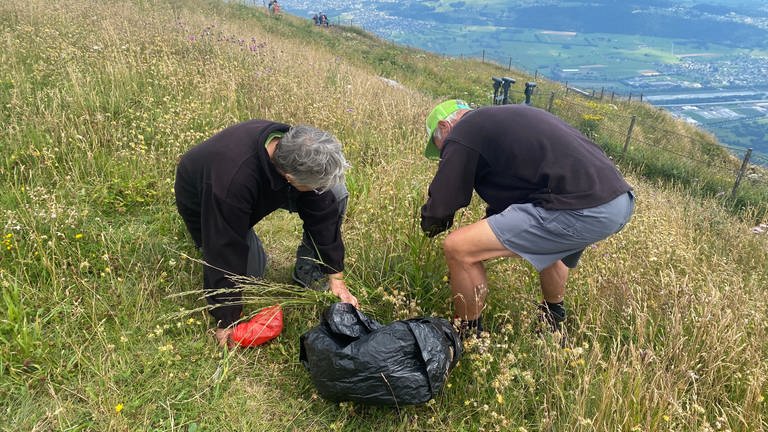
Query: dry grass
[99,99]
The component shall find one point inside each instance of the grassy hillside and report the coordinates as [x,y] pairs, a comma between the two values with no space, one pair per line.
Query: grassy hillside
[99,98]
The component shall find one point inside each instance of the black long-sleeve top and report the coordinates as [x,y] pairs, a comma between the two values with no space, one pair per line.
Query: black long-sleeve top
[227,184]
[513,154]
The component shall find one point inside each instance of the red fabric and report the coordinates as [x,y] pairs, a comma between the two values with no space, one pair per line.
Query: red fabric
[263,327]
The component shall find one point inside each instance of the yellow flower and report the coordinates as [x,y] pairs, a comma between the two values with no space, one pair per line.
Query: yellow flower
[118,408]
[78,236]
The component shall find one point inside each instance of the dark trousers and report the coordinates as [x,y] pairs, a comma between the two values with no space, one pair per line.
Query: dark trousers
[306,253]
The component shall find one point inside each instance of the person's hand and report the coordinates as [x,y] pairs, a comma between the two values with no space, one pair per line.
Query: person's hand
[434,226]
[340,290]
[222,336]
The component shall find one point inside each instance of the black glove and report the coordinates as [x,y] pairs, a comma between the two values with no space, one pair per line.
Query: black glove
[434,226]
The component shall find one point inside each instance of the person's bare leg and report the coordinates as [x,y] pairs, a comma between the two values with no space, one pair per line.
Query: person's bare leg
[465,250]
[553,279]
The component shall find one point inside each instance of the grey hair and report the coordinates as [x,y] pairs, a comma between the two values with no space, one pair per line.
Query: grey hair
[439,135]
[312,157]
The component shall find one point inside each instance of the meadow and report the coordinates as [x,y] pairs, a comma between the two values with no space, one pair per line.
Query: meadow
[98,99]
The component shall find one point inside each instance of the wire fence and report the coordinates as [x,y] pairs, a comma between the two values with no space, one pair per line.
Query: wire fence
[662,146]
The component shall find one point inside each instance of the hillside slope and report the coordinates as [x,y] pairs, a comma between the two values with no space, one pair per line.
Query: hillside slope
[100,98]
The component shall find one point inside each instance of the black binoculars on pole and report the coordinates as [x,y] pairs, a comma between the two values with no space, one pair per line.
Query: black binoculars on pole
[496,86]
[529,86]
[502,83]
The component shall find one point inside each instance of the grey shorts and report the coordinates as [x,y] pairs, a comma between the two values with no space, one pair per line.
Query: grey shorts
[544,236]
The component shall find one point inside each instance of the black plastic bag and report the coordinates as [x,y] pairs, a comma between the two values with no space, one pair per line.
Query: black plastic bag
[351,357]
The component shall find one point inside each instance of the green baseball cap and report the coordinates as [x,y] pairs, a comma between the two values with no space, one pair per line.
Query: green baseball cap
[440,112]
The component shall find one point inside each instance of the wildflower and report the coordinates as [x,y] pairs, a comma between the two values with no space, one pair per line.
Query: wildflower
[78,236]
[118,408]
[8,241]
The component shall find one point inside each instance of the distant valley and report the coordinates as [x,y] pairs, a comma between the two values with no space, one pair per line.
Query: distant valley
[706,61]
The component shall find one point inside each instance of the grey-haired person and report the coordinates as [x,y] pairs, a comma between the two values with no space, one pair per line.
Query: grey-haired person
[228,183]
[550,192]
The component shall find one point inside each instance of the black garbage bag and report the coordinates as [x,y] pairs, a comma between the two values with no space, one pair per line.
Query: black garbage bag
[351,357]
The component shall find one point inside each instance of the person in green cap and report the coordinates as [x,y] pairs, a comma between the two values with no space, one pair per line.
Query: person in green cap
[550,192]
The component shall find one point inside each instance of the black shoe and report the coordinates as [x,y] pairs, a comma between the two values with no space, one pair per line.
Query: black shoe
[467,328]
[308,275]
[551,321]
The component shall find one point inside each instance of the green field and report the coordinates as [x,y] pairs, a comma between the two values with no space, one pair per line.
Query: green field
[102,326]
[601,59]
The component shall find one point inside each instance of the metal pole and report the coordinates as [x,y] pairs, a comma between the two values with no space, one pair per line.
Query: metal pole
[741,172]
[629,136]
[483,56]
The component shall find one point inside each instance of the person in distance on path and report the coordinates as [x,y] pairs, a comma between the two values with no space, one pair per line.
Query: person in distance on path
[231,181]
[550,192]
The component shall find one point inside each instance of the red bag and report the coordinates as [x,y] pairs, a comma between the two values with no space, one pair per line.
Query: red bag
[263,327]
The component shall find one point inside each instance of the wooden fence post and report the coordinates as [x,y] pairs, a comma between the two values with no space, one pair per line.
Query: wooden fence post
[629,136]
[551,102]
[741,172]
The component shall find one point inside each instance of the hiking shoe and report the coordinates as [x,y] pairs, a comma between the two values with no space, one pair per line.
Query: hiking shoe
[308,275]
[551,322]
[468,328]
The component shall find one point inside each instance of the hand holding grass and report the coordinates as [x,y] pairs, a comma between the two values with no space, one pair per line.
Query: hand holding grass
[338,288]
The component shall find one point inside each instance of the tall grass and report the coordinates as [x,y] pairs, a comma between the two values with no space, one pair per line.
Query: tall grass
[99,99]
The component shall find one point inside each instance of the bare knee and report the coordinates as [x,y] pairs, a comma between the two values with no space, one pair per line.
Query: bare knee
[452,248]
